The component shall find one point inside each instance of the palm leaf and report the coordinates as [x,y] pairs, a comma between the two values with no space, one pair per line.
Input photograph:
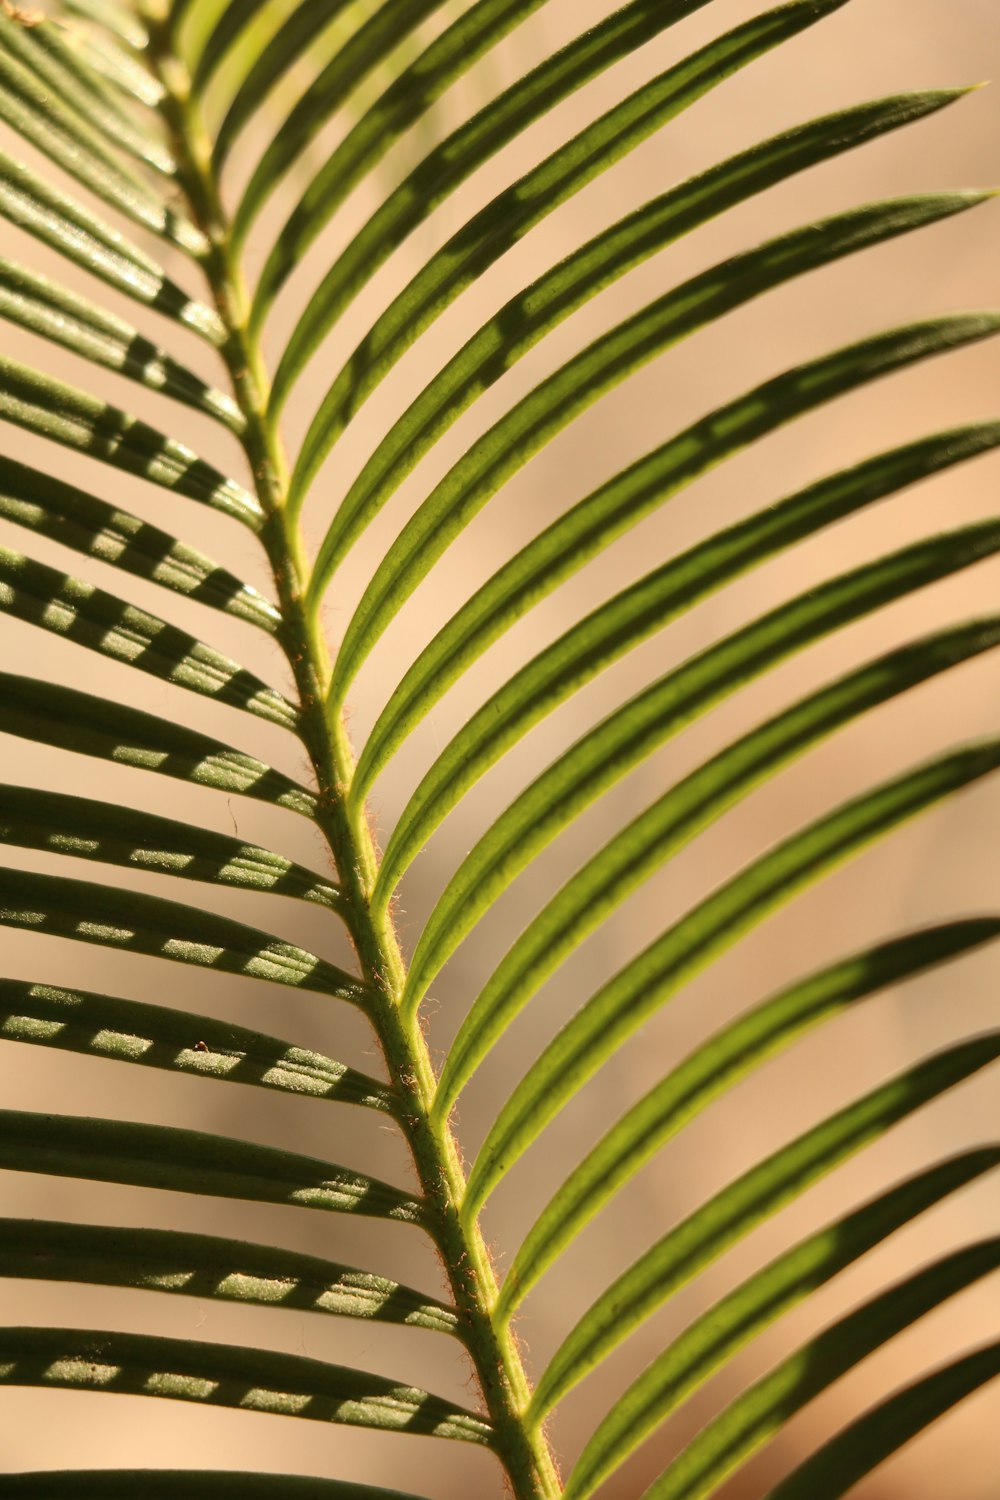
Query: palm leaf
[128,114]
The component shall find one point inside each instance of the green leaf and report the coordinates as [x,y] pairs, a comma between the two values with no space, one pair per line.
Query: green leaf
[234,19]
[716,1335]
[590,525]
[525,318]
[370,45]
[444,169]
[189,1161]
[711,1070]
[183,1484]
[29,106]
[60,315]
[725,1218]
[54,715]
[50,54]
[628,735]
[136,923]
[102,622]
[750,1421]
[70,516]
[838,1465]
[225,1375]
[302,27]
[154,1036]
[223,1270]
[66,415]
[120,20]
[74,232]
[411,95]
[117,835]
[627,1000]
[552,405]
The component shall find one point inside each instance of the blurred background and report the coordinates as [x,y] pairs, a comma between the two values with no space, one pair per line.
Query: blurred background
[944,864]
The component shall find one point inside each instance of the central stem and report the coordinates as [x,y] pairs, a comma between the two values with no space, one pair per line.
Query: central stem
[437,1158]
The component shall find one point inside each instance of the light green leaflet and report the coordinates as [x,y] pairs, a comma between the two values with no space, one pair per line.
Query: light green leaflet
[525,317]
[137,923]
[703,1076]
[54,715]
[759,1412]
[63,67]
[631,733]
[300,30]
[66,226]
[194,1265]
[669,824]
[442,171]
[113,834]
[564,396]
[482,26]
[75,419]
[627,1000]
[735,1210]
[153,1036]
[189,1161]
[56,313]
[220,1374]
[101,621]
[838,1465]
[68,515]
[29,106]
[367,48]
[788,1280]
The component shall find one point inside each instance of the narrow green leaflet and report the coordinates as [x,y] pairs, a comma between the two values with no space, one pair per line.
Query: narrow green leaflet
[133,922]
[77,420]
[839,1464]
[104,623]
[154,1036]
[479,28]
[234,19]
[183,1484]
[54,715]
[227,1375]
[196,1265]
[370,45]
[113,834]
[67,227]
[66,69]
[305,25]
[711,1069]
[30,107]
[446,167]
[592,522]
[716,1335]
[633,995]
[70,516]
[62,316]
[628,735]
[755,1196]
[749,1422]
[189,1161]
[511,442]
[525,318]
[120,20]
[122,69]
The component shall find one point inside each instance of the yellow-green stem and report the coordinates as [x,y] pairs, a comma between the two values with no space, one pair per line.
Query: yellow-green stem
[524,1453]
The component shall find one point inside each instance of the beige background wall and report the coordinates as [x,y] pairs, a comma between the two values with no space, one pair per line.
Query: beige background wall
[944,864]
